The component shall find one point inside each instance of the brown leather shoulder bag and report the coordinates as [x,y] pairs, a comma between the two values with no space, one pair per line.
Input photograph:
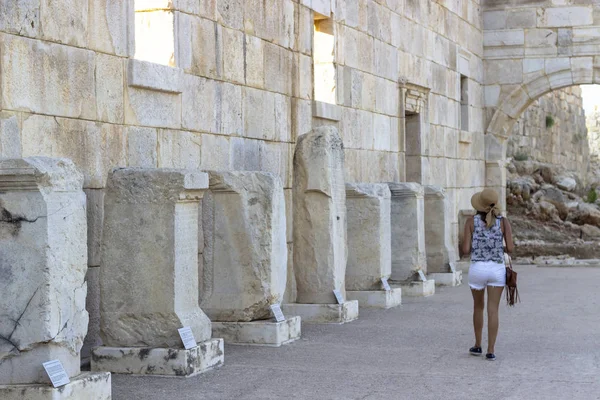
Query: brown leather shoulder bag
[512,293]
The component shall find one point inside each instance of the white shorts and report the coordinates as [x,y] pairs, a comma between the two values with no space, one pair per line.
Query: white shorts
[486,273]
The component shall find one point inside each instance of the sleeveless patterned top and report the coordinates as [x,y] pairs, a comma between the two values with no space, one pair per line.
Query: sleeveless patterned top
[487,243]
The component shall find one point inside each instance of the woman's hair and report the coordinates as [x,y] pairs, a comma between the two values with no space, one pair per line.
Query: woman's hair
[483,216]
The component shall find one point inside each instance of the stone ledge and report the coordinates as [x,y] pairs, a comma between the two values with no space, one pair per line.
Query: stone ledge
[332,112]
[417,288]
[324,313]
[260,333]
[148,75]
[465,137]
[86,386]
[159,361]
[376,298]
[447,278]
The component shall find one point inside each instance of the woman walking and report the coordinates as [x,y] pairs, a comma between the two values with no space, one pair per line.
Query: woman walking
[484,238]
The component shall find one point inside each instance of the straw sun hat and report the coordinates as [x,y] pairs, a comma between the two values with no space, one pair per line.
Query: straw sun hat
[486,202]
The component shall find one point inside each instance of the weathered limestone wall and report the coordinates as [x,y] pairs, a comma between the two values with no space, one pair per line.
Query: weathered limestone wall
[564,143]
[234,89]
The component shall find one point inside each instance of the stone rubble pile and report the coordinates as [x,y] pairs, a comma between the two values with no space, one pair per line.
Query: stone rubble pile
[549,193]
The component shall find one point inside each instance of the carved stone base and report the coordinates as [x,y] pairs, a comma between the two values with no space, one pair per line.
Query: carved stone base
[376,298]
[447,278]
[159,361]
[324,313]
[262,333]
[418,288]
[85,386]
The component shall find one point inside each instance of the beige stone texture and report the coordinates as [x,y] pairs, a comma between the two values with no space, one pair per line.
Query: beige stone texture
[320,250]
[44,263]
[20,17]
[408,231]
[438,243]
[245,252]
[149,271]
[47,78]
[64,21]
[108,26]
[10,135]
[369,236]
[94,148]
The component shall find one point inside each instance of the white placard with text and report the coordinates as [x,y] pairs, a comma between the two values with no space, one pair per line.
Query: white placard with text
[56,372]
[386,285]
[277,313]
[338,296]
[422,276]
[187,337]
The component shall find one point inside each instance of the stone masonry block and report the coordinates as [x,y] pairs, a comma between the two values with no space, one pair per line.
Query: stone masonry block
[34,75]
[149,271]
[369,236]
[245,251]
[108,26]
[320,251]
[64,22]
[44,259]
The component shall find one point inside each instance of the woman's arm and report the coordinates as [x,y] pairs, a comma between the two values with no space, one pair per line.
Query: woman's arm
[510,246]
[467,236]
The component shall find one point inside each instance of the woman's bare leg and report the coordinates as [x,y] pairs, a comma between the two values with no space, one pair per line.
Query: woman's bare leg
[478,306]
[494,296]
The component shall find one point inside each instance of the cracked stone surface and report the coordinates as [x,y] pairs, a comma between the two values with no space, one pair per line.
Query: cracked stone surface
[244,267]
[149,271]
[320,249]
[43,262]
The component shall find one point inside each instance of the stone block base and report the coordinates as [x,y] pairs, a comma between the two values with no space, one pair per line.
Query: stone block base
[86,386]
[376,298]
[156,361]
[262,333]
[463,266]
[447,278]
[418,288]
[324,313]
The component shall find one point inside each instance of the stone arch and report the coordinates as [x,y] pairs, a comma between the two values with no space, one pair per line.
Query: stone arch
[531,48]
[512,106]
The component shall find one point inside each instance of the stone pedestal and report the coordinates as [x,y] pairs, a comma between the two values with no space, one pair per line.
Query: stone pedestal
[159,361]
[369,245]
[260,333]
[439,250]
[418,288]
[149,272]
[408,232]
[85,386]
[244,268]
[324,313]
[320,247]
[453,278]
[43,263]
[377,298]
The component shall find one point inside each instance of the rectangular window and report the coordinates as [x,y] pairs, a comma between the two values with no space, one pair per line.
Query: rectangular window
[464,103]
[154,33]
[323,59]
[414,153]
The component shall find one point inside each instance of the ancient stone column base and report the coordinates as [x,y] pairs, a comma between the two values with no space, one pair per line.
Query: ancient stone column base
[159,361]
[261,333]
[446,278]
[376,298]
[324,313]
[417,288]
[85,386]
